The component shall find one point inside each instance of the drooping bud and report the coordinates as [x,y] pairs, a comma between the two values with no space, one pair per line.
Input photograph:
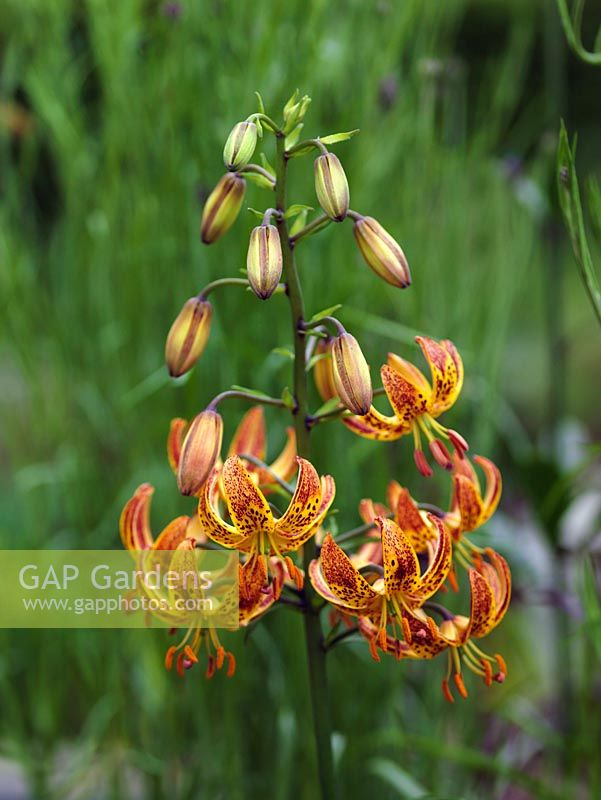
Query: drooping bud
[240,145]
[200,451]
[188,336]
[351,374]
[323,371]
[264,260]
[381,252]
[222,207]
[331,186]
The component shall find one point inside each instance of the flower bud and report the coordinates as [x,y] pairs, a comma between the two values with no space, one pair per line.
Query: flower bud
[323,371]
[240,145]
[188,336]
[381,252]
[351,374]
[222,207]
[200,451]
[264,260]
[331,186]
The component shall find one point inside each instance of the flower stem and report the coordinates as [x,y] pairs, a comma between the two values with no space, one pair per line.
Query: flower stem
[210,287]
[260,399]
[315,225]
[316,656]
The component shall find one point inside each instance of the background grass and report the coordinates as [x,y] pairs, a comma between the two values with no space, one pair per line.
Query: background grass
[123,109]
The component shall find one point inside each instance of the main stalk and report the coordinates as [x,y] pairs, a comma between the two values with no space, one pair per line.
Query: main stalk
[316,656]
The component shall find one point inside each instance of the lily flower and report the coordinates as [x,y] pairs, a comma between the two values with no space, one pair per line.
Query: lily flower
[134,525]
[490,585]
[401,590]
[250,439]
[253,528]
[417,403]
[470,509]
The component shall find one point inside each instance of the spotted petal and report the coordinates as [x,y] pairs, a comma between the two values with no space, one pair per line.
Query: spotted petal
[309,504]
[440,564]
[249,510]
[425,639]
[255,596]
[410,520]
[210,520]
[447,373]
[407,400]
[483,606]
[173,535]
[250,436]
[375,425]
[401,567]
[344,583]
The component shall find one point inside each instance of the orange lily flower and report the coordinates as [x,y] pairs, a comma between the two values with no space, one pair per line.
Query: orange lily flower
[249,439]
[253,527]
[134,525]
[469,508]
[417,403]
[402,588]
[490,585]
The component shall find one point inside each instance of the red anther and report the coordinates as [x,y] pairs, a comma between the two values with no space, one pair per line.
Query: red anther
[169,657]
[487,671]
[477,559]
[422,464]
[447,692]
[499,677]
[458,442]
[502,665]
[172,631]
[441,454]
[179,665]
[373,650]
[191,654]
[231,665]
[220,657]
[460,685]
[453,580]
[210,668]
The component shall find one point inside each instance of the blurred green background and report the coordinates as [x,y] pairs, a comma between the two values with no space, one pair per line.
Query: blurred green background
[113,116]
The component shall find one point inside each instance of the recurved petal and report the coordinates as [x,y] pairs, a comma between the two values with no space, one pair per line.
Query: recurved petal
[173,535]
[440,564]
[410,520]
[246,503]
[498,575]
[252,580]
[483,614]
[210,520]
[343,581]
[494,487]
[308,506]
[134,524]
[175,439]
[406,399]
[447,372]
[401,567]
[411,373]
[467,500]
[375,425]
[250,436]
[368,510]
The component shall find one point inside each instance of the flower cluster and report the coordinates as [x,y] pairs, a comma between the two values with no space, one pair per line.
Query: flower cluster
[405,556]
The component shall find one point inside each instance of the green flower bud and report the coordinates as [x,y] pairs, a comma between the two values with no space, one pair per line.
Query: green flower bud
[264,260]
[240,145]
[351,374]
[222,207]
[381,252]
[200,450]
[188,336]
[331,186]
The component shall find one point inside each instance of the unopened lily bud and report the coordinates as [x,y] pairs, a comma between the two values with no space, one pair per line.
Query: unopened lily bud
[264,260]
[240,145]
[200,451]
[381,252]
[188,336]
[331,186]
[323,371]
[351,374]
[222,207]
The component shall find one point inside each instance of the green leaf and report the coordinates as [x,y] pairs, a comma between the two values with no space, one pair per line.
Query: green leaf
[396,777]
[569,200]
[291,103]
[288,399]
[299,223]
[252,392]
[260,180]
[314,359]
[327,312]
[260,101]
[283,351]
[303,149]
[266,165]
[296,209]
[338,137]
[330,405]
[293,136]
[259,214]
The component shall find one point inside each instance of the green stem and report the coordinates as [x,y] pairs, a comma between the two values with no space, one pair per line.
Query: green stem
[204,293]
[316,656]
[258,171]
[261,399]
